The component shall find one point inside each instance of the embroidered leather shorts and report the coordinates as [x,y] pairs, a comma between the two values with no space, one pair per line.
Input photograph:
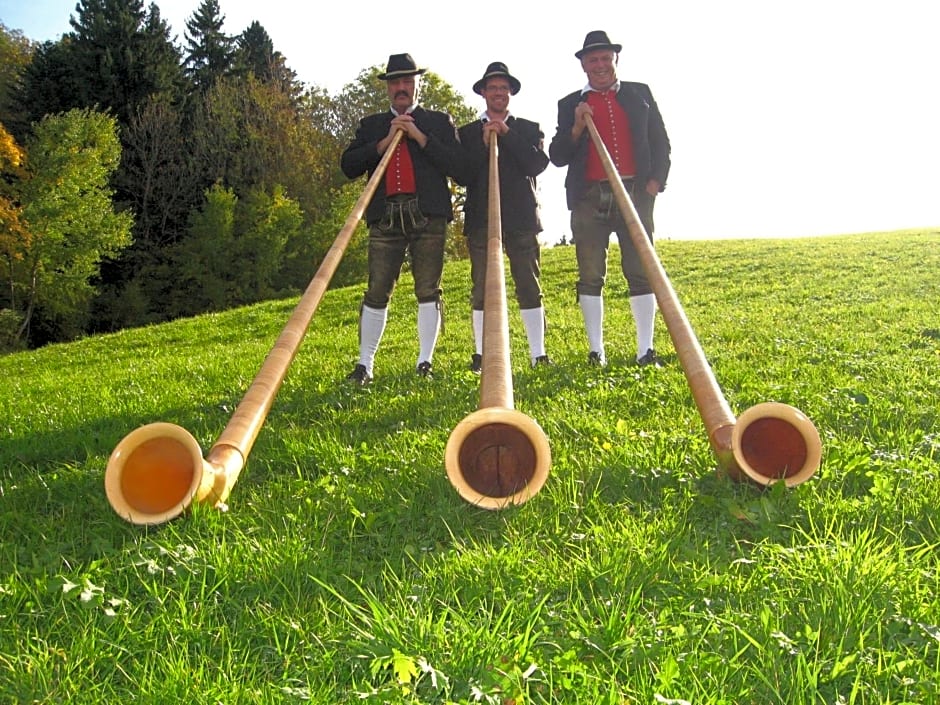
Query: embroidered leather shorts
[402,213]
[602,196]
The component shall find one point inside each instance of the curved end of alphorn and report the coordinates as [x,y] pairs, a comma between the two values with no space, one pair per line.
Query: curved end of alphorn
[770,442]
[157,471]
[497,457]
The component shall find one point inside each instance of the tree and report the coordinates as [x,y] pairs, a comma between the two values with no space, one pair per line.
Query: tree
[16,53]
[247,134]
[121,56]
[49,85]
[234,249]
[205,256]
[68,213]
[265,223]
[156,174]
[14,238]
[255,55]
[209,51]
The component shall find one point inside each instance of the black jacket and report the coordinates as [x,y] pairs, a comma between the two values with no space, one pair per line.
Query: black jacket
[651,148]
[521,159]
[439,159]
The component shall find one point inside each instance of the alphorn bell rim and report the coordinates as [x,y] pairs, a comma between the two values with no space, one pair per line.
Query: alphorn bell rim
[748,443]
[488,417]
[173,446]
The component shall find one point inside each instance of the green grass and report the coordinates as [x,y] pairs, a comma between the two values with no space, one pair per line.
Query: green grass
[348,570]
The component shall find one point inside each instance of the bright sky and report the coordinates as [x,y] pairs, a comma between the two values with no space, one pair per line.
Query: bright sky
[810,117]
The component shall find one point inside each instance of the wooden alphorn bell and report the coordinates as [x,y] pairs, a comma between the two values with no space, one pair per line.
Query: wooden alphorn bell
[157,471]
[769,442]
[496,456]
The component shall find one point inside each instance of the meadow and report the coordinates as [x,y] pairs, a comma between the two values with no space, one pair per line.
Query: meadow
[346,569]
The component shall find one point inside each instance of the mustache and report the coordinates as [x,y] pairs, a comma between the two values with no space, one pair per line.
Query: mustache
[404,94]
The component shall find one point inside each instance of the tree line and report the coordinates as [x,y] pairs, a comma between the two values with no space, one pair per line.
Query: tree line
[141,181]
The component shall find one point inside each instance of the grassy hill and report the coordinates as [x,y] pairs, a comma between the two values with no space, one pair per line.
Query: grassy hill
[348,570]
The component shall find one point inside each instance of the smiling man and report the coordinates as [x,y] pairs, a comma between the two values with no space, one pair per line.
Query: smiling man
[521,159]
[631,127]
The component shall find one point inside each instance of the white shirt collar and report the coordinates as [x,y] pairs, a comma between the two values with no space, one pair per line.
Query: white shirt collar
[588,89]
[407,112]
[485,117]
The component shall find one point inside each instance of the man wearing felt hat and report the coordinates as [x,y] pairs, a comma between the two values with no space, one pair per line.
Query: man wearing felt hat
[408,213]
[521,159]
[631,127]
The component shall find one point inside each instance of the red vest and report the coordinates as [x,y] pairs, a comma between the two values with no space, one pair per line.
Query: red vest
[613,126]
[400,177]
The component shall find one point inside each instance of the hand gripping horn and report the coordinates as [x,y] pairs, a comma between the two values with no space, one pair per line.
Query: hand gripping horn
[496,456]
[157,471]
[770,441]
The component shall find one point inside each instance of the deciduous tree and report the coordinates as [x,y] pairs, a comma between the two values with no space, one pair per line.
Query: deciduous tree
[14,237]
[68,212]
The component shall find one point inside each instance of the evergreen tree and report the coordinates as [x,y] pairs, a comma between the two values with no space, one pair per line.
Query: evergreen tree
[16,53]
[209,51]
[160,53]
[50,85]
[255,55]
[122,55]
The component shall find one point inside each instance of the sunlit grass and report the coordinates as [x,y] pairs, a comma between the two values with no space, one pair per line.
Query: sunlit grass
[348,570]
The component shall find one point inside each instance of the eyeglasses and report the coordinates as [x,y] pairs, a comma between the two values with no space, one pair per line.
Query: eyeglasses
[497,89]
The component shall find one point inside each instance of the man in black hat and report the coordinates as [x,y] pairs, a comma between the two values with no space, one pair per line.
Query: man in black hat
[521,159]
[631,127]
[409,211]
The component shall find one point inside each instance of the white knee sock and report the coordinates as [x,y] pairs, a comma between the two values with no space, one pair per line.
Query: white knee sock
[371,327]
[429,326]
[534,321]
[478,331]
[592,307]
[644,315]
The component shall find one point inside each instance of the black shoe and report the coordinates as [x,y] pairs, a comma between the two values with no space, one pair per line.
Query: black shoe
[543,361]
[359,376]
[424,369]
[649,358]
[476,363]
[596,359]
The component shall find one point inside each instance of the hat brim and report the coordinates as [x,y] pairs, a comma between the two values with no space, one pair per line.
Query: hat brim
[514,84]
[400,74]
[595,47]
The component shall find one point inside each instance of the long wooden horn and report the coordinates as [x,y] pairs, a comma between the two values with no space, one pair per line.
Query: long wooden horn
[496,456]
[157,471]
[767,443]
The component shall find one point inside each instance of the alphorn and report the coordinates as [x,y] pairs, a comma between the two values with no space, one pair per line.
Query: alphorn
[770,441]
[157,471]
[496,456]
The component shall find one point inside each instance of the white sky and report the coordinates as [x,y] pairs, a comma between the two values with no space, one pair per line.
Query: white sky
[811,117]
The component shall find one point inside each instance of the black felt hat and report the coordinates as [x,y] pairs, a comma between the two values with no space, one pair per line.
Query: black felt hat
[399,66]
[497,68]
[597,40]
